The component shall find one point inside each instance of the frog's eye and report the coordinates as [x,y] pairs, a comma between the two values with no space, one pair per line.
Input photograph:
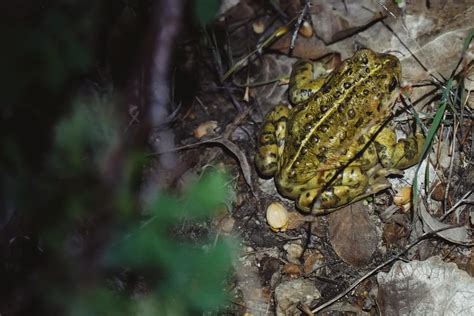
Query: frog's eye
[393,84]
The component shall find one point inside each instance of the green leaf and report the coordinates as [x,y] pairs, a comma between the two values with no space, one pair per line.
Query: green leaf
[206,10]
[431,133]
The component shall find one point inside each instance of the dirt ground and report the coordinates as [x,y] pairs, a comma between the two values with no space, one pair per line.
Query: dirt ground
[309,260]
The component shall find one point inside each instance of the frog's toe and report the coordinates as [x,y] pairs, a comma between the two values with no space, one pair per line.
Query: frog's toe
[306,199]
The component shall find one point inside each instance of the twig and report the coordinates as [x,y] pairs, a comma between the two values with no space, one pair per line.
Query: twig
[451,164]
[298,24]
[455,206]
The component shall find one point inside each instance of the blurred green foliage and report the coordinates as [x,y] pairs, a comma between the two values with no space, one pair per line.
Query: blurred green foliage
[206,10]
[74,226]
[183,277]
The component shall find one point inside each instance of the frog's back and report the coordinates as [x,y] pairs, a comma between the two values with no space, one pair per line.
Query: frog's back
[333,125]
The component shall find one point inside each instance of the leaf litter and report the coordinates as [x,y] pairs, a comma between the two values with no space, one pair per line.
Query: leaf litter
[347,248]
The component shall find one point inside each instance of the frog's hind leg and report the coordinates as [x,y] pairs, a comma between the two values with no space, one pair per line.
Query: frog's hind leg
[349,186]
[359,187]
[398,155]
[271,140]
[306,79]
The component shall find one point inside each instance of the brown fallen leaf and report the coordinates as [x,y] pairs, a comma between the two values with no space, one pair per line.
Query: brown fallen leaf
[295,220]
[340,19]
[294,270]
[393,234]
[352,235]
[313,262]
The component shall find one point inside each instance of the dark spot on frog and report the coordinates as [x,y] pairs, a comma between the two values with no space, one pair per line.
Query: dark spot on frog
[351,113]
[308,194]
[364,59]
[337,94]
[367,70]
[366,92]
[321,158]
[347,85]
[267,142]
[326,88]
[324,128]
[359,122]
[315,138]
[273,155]
[324,108]
[341,108]
[368,113]
[309,116]
[393,84]
[282,119]
[308,126]
[361,140]
[271,165]
[304,150]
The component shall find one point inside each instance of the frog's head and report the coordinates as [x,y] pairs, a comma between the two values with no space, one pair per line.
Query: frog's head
[385,68]
[382,72]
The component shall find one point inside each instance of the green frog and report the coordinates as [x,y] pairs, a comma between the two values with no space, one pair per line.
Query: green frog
[334,144]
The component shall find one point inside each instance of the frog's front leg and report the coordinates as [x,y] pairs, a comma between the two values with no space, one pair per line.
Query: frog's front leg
[348,186]
[271,140]
[306,79]
[398,155]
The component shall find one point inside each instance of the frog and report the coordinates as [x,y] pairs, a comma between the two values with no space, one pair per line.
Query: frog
[335,143]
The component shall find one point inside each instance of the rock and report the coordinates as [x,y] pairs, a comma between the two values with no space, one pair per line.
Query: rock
[291,293]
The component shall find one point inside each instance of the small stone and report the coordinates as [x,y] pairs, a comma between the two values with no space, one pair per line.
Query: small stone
[289,294]
[306,29]
[277,217]
[403,196]
[294,252]
[205,128]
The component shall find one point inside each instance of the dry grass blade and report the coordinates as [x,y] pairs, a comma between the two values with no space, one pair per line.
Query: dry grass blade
[273,37]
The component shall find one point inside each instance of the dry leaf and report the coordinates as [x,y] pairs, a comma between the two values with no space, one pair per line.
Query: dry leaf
[313,262]
[295,220]
[340,19]
[430,287]
[458,235]
[351,234]
[292,269]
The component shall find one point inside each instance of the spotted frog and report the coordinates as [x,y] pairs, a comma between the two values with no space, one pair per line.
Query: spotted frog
[335,144]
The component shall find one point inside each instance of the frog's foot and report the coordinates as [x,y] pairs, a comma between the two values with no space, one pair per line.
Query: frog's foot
[368,183]
[271,140]
[351,184]
[306,79]
[399,155]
